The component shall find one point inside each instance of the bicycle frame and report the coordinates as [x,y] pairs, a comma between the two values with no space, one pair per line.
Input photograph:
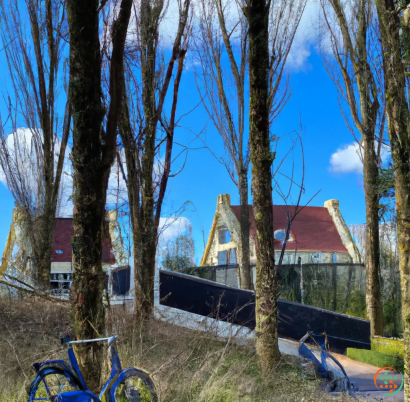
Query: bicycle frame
[116,367]
[116,375]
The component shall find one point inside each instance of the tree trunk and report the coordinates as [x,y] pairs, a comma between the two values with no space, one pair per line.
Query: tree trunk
[370,179]
[89,197]
[266,290]
[144,231]
[133,189]
[398,128]
[42,239]
[245,271]
[92,156]
[402,187]
[365,116]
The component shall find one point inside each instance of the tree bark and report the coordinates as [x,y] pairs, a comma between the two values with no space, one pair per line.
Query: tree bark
[355,63]
[399,132]
[374,302]
[266,291]
[245,271]
[89,196]
[92,156]
[145,201]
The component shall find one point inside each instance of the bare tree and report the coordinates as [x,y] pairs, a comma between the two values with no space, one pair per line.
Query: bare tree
[223,32]
[359,80]
[394,27]
[266,289]
[93,154]
[33,176]
[148,81]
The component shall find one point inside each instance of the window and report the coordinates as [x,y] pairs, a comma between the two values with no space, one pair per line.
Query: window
[227,257]
[232,256]
[121,281]
[60,284]
[222,257]
[317,258]
[280,235]
[59,251]
[224,235]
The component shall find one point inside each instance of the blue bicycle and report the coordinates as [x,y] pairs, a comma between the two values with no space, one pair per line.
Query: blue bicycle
[57,381]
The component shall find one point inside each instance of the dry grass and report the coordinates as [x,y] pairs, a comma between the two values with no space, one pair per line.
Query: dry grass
[187,366]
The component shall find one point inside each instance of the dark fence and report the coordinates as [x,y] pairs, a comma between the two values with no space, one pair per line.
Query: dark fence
[210,299]
[335,287]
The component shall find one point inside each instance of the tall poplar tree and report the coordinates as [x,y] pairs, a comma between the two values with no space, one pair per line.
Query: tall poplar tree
[92,156]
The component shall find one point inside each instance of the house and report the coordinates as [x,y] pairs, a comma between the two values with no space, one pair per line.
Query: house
[62,255]
[115,260]
[317,235]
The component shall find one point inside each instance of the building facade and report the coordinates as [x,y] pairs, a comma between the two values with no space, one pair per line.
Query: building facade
[317,235]
[61,274]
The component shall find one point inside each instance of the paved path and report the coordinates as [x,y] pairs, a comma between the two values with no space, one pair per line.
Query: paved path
[362,377]
[360,374]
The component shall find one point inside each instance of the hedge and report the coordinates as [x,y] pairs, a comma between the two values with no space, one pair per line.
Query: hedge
[388,346]
[376,358]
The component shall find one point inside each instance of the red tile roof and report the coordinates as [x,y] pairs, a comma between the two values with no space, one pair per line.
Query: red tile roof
[312,230]
[63,231]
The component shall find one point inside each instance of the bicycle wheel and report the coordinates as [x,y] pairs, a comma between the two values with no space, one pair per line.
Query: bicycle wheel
[136,386]
[51,382]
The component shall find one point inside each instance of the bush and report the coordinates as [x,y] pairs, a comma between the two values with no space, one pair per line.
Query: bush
[388,346]
[376,358]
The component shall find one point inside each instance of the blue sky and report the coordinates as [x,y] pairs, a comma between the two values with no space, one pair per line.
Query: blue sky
[314,100]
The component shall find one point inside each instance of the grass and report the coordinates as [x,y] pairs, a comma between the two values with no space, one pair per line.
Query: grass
[186,365]
[375,358]
[388,346]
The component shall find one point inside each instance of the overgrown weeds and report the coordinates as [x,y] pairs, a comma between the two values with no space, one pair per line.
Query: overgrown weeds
[187,366]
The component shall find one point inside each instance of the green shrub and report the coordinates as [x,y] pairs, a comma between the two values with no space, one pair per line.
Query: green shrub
[376,358]
[356,304]
[388,346]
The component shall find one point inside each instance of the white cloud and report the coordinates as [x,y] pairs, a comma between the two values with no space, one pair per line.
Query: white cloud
[169,228]
[306,38]
[117,187]
[348,158]
[21,147]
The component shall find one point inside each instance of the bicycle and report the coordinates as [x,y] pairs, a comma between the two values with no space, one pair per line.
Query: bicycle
[57,381]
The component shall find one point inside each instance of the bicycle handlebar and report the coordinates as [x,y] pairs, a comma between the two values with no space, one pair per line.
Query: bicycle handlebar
[109,339]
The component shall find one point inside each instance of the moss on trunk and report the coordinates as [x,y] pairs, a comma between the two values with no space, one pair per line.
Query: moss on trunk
[399,132]
[370,179]
[245,272]
[266,289]
[92,156]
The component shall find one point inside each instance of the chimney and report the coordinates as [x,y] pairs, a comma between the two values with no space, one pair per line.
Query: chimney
[224,199]
[344,232]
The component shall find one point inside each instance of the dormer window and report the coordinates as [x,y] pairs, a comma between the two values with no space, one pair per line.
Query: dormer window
[224,235]
[280,235]
[59,251]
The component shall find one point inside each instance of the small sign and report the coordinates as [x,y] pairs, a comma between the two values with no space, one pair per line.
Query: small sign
[388,381]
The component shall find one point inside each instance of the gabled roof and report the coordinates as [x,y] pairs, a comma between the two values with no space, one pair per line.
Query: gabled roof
[313,228]
[63,232]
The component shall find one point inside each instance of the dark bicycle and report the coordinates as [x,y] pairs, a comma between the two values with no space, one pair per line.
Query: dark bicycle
[57,381]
